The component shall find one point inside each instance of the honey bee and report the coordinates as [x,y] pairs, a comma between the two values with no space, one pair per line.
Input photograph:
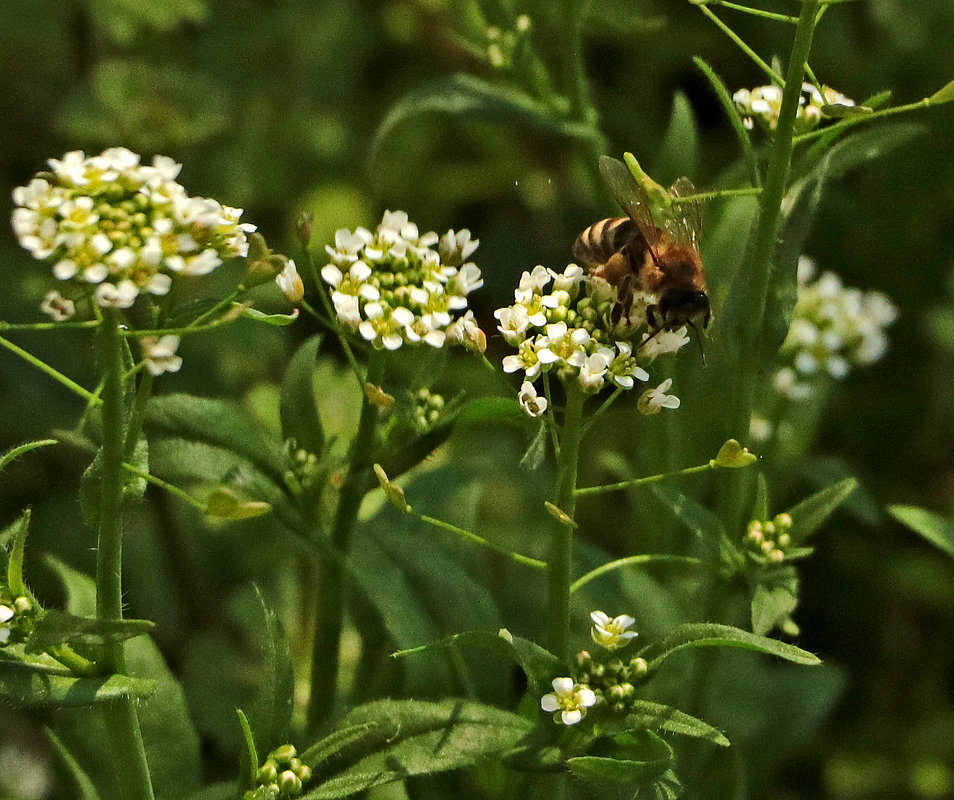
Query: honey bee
[659,256]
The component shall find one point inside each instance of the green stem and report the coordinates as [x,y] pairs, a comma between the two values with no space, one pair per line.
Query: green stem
[59,377]
[630,561]
[740,42]
[560,561]
[745,191]
[331,574]
[760,261]
[755,12]
[48,326]
[850,121]
[633,482]
[121,719]
[517,558]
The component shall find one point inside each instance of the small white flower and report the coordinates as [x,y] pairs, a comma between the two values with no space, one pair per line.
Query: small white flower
[160,354]
[57,306]
[611,633]
[121,295]
[568,701]
[653,401]
[514,322]
[6,614]
[289,281]
[592,372]
[662,342]
[532,405]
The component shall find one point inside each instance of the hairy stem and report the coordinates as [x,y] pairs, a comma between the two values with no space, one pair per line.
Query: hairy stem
[560,561]
[122,721]
[331,577]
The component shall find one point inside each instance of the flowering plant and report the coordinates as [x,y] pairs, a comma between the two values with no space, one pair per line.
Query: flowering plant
[341,573]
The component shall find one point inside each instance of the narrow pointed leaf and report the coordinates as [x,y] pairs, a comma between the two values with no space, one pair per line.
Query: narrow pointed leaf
[60,627]
[468,97]
[616,770]
[298,405]
[15,582]
[842,111]
[680,148]
[655,716]
[933,527]
[943,95]
[36,686]
[84,785]
[281,320]
[811,512]
[14,453]
[713,635]
[409,737]
[271,711]
[249,762]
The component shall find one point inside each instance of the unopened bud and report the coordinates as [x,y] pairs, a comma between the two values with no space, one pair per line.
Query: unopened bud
[303,228]
[289,784]
[284,754]
[638,668]
[22,604]
[268,772]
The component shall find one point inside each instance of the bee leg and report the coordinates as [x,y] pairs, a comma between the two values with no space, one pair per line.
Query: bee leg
[654,323]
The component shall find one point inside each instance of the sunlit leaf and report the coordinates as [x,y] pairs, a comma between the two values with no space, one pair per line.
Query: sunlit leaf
[60,627]
[811,512]
[933,527]
[409,737]
[713,635]
[35,686]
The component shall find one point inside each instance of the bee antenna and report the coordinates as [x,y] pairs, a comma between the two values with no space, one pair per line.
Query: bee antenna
[702,351]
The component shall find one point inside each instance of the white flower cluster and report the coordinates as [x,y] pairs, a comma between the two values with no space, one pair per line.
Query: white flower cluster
[110,222]
[765,102]
[834,327]
[392,286]
[563,322]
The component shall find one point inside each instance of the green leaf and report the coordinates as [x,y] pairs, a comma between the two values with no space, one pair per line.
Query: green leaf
[224,790]
[334,743]
[281,320]
[15,452]
[702,523]
[636,759]
[680,147]
[270,712]
[225,503]
[90,492]
[172,744]
[943,95]
[249,763]
[86,787]
[35,685]
[811,512]
[774,599]
[760,509]
[468,97]
[645,714]
[842,111]
[60,627]
[218,423]
[410,737]
[493,409]
[15,582]
[713,635]
[933,527]
[298,405]
[732,455]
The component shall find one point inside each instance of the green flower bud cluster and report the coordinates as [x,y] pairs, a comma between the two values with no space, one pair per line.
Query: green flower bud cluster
[766,541]
[428,407]
[109,222]
[612,679]
[17,617]
[283,775]
[502,44]
[303,466]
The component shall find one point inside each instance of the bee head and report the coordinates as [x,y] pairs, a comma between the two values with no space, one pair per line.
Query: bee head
[679,307]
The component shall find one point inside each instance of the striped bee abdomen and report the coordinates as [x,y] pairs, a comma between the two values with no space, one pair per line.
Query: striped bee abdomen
[598,243]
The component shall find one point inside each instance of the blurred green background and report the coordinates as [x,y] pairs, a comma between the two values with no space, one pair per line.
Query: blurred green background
[274,106]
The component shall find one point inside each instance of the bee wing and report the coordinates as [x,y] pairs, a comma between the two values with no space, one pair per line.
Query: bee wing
[685,223]
[631,196]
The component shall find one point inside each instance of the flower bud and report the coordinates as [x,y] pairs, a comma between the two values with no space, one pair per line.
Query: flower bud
[638,668]
[289,784]
[22,604]
[268,772]
[284,754]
